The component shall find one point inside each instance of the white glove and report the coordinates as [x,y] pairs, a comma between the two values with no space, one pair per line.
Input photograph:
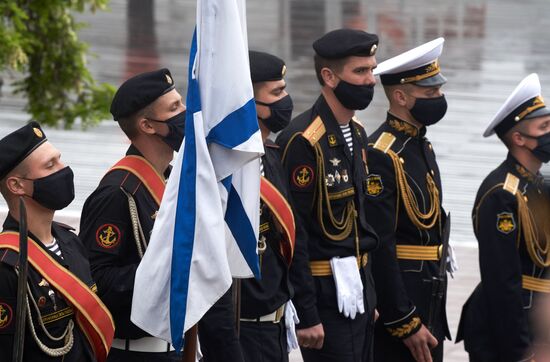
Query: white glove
[349,287]
[452,263]
[291,319]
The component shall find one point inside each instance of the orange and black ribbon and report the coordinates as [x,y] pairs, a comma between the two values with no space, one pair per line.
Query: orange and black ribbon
[281,210]
[91,314]
[142,169]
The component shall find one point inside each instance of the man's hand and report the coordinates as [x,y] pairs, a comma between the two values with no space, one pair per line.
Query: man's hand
[311,337]
[420,344]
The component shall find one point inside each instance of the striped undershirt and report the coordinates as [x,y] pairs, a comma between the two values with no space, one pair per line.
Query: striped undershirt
[346,130]
[54,248]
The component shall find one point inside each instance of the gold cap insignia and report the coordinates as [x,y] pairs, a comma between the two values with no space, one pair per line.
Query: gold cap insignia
[168,79]
[373,49]
[38,132]
[283,71]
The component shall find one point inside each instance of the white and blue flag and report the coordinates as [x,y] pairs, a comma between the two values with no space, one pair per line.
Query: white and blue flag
[206,231]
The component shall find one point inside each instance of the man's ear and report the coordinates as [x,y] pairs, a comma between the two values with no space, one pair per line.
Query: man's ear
[144,126]
[517,139]
[399,97]
[329,78]
[15,186]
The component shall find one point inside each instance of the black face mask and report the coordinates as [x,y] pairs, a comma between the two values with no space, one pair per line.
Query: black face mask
[428,111]
[542,151]
[353,96]
[176,130]
[55,191]
[281,112]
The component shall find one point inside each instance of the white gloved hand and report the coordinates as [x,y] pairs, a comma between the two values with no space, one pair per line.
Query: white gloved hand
[452,263]
[291,319]
[349,287]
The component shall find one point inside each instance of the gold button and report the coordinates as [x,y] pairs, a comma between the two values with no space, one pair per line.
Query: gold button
[432,172]
[430,146]
[401,160]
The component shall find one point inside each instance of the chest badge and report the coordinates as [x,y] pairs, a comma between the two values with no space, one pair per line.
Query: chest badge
[108,236]
[332,140]
[505,222]
[43,283]
[337,176]
[374,185]
[345,176]
[329,180]
[335,161]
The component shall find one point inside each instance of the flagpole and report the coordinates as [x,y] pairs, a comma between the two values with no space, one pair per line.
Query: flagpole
[190,347]
[237,304]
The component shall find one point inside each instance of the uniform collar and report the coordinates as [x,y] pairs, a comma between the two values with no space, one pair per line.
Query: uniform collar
[10,224]
[329,120]
[133,151]
[333,130]
[522,172]
[405,127]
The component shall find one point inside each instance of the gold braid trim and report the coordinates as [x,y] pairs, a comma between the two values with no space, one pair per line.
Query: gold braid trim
[535,244]
[405,329]
[421,220]
[345,224]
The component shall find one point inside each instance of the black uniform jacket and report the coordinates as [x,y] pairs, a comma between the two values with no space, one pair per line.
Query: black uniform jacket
[55,312]
[279,281]
[106,231]
[495,319]
[328,185]
[402,285]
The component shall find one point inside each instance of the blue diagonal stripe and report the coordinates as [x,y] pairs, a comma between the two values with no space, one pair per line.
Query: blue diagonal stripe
[238,222]
[184,230]
[236,128]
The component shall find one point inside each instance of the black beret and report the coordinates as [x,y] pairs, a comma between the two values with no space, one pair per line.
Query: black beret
[16,146]
[140,91]
[343,43]
[265,67]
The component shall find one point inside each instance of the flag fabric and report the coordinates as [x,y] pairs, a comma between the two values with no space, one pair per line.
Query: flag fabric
[206,230]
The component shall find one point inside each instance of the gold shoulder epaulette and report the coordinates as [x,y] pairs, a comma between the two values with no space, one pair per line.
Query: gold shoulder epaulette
[357,121]
[511,184]
[384,142]
[315,131]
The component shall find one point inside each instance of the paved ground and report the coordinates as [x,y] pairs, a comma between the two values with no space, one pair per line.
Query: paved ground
[490,46]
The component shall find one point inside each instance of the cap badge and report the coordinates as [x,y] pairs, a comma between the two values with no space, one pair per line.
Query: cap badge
[373,49]
[38,132]
[283,71]
[168,79]
[432,67]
